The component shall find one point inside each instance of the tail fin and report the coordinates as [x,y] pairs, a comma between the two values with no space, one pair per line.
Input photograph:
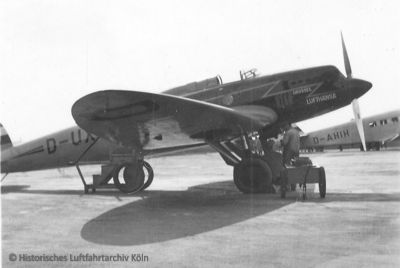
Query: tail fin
[5,139]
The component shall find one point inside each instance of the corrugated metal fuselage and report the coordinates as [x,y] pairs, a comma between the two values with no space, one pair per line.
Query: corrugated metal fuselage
[379,129]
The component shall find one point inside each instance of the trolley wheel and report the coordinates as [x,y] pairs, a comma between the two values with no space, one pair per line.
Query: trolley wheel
[322,182]
[283,191]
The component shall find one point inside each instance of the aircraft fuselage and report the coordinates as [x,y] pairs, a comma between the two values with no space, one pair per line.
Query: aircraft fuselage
[378,129]
[294,96]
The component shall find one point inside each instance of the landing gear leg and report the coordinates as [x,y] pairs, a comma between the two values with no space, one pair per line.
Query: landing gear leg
[252,174]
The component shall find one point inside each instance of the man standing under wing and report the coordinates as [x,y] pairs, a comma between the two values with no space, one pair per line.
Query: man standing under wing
[290,143]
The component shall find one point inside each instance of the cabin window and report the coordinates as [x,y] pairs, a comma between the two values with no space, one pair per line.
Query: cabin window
[383,122]
[372,124]
[395,120]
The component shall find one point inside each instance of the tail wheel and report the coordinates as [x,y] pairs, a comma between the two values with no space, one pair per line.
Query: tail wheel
[322,183]
[253,175]
[133,176]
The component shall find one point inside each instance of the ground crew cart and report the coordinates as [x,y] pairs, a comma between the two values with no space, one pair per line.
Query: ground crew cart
[303,172]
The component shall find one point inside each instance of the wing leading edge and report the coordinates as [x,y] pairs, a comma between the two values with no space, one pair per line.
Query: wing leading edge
[144,119]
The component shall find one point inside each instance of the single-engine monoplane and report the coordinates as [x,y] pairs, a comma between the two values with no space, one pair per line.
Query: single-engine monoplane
[121,128]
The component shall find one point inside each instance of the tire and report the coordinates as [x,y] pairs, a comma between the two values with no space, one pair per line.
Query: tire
[253,175]
[150,175]
[322,182]
[133,176]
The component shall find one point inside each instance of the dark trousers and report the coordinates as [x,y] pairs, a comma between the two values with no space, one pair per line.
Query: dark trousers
[288,155]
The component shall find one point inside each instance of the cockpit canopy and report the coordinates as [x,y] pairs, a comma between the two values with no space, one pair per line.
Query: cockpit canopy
[209,83]
[195,86]
[248,74]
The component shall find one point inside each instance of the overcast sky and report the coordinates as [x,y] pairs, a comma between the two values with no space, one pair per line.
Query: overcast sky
[54,52]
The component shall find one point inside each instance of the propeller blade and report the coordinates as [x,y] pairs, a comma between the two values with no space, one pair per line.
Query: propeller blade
[346,58]
[359,123]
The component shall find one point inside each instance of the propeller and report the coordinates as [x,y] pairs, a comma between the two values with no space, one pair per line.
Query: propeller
[359,122]
[346,58]
[356,106]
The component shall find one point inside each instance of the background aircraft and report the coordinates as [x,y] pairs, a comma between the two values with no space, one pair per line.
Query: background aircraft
[127,126]
[379,130]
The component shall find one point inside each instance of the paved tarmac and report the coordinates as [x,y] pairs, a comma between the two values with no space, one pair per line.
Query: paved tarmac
[193,216]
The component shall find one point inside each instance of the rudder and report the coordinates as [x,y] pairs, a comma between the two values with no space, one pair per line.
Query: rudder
[5,139]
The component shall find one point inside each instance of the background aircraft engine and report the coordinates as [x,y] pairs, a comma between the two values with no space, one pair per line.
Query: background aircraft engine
[253,175]
[133,177]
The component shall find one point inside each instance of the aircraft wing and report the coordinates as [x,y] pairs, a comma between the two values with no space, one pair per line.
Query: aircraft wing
[143,119]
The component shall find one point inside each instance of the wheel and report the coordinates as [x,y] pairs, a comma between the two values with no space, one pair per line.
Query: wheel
[283,191]
[150,175]
[133,176]
[322,182]
[304,194]
[253,175]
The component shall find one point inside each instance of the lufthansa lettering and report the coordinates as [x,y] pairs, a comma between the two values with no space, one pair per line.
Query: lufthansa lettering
[323,98]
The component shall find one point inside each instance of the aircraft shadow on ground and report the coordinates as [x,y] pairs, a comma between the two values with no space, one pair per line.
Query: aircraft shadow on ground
[166,215]
[6,189]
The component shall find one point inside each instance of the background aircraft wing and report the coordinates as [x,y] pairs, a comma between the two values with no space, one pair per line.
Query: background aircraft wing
[147,119]
[390,138]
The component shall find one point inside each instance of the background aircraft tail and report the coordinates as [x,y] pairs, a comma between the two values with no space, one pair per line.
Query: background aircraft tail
[5,139]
